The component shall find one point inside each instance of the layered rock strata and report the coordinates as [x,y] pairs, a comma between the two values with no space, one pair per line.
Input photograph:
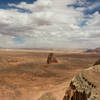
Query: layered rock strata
[85,86]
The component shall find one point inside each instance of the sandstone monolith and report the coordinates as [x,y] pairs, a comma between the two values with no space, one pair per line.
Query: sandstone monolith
[51,59]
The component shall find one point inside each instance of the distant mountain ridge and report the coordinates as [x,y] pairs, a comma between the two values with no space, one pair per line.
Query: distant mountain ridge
[94,50]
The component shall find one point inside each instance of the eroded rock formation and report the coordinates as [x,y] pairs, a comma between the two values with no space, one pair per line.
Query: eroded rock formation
[85,86]
[51,59]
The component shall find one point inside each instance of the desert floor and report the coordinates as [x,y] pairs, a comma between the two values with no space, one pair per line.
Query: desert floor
[24,75]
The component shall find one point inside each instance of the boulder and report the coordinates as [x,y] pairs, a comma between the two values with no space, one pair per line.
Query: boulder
[47,96]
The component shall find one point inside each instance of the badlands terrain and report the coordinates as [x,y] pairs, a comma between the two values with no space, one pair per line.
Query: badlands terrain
[25,75]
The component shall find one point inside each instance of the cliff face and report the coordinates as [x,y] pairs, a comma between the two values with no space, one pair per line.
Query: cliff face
[74,94]
[85,86]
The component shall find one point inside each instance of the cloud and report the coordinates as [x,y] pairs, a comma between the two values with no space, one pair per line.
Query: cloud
[50,23]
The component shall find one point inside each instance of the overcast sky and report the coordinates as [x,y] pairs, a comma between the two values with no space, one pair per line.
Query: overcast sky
[50,23]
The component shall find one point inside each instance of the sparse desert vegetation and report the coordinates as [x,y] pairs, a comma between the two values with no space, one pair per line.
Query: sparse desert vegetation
[25,75]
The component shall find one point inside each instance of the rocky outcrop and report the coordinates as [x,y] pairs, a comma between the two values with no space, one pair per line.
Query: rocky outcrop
[97,62]
[85,86]
[51,59]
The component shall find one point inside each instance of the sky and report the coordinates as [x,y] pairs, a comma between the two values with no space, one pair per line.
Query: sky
[50,23]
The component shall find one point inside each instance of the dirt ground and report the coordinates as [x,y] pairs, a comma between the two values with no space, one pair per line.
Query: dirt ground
[24,75]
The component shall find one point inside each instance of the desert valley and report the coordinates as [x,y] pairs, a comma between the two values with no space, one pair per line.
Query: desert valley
[26,75]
